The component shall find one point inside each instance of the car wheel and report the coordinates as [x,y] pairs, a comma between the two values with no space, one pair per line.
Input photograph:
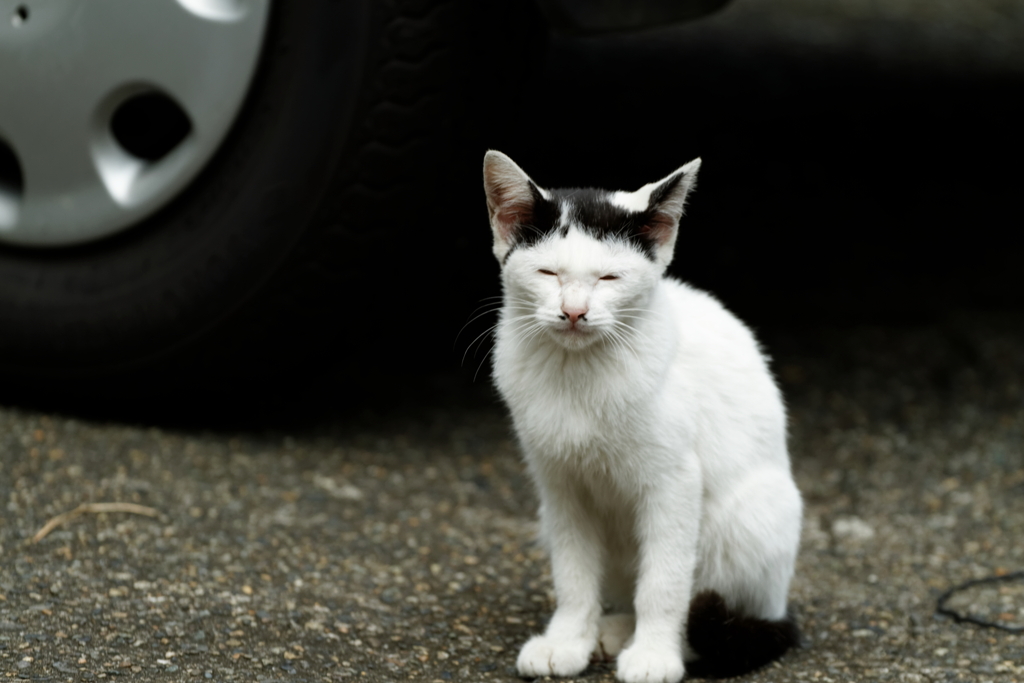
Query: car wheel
[177,194]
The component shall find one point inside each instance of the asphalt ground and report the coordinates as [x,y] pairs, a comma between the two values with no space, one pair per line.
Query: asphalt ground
[398,542]
[384,530]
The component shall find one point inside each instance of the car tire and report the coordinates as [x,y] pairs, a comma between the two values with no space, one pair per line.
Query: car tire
[271,258]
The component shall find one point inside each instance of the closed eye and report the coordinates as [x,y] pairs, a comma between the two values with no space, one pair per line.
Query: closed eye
[545,272]
[609,277]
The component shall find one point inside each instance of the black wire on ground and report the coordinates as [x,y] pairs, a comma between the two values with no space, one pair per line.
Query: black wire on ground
[960,618]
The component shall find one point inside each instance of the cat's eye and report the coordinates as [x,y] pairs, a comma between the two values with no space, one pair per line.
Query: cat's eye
[545,272]
[609,277]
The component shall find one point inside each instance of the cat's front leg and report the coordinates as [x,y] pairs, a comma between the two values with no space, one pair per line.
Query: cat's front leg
[565,647]
[668,525]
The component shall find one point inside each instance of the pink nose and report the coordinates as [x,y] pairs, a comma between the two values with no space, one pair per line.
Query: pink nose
[574,314]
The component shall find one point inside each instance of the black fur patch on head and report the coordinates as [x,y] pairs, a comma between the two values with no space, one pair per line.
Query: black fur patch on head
[593,212]
[545,220]
[731,644]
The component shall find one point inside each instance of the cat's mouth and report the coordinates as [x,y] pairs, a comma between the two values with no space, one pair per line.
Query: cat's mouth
[575,335]
[578,327]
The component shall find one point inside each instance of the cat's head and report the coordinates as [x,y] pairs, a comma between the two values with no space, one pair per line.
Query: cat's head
[581,263]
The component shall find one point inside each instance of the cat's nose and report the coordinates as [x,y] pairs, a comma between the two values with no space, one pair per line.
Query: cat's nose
[573,314]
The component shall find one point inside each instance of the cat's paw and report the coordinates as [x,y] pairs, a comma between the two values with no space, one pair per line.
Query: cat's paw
[614,632]
[545,656]
[639,663]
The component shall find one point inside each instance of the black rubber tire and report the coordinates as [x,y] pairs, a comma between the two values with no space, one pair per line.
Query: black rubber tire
[238,276]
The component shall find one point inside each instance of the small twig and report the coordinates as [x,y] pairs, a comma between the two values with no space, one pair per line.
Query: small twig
[86,508]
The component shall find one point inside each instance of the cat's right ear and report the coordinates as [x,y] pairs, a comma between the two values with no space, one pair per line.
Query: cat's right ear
[511,199]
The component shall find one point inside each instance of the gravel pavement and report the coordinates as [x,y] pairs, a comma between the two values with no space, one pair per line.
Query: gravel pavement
[399,544]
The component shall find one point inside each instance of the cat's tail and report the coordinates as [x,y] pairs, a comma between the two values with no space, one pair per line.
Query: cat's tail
[730,644]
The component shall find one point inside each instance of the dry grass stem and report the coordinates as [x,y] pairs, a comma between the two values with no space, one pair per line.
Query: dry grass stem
[94,508]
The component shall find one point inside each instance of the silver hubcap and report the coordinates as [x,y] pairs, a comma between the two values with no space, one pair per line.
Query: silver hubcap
[108,108]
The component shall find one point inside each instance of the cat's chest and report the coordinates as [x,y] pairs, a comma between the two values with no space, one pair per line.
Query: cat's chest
[575,412]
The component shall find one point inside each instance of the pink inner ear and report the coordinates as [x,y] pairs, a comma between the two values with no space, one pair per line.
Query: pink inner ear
[510,209]
[509,198]
[659,228]
[511,216]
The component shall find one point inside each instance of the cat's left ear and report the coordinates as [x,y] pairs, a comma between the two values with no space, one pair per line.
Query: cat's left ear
[666,200]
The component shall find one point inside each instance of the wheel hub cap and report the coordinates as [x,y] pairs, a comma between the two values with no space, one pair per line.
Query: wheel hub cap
[109,108]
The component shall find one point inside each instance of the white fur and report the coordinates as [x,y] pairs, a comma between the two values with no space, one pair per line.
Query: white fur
[656,437]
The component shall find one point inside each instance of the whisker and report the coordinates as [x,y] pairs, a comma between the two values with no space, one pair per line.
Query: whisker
[514,303]
[479,337]
[482,361]
[475,317]
[534,332]
[518,300]
[614,341]
[638,310]
[515,323]
[625,345]
[635,332]
[524,325]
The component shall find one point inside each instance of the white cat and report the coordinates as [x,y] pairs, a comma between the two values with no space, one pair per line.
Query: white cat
[653,431]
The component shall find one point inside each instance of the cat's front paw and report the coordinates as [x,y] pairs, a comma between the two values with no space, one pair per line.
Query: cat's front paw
[545,656]
[645,664]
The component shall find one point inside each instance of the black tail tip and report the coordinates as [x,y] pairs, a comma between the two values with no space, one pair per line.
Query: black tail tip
[730,644]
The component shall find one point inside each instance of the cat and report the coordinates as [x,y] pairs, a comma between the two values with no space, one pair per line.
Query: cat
[653,431]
